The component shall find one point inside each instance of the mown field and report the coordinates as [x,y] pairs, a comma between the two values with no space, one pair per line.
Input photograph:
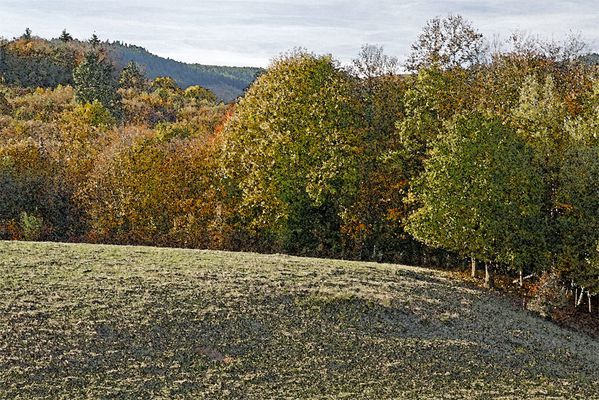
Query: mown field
[87,321]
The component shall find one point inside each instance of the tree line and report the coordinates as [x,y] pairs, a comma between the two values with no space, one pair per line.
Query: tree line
[476,152]
[30,61]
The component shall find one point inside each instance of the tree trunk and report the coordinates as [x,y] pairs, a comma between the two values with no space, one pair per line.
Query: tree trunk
[489,276]
[580,297]
[473,266]
[521,278]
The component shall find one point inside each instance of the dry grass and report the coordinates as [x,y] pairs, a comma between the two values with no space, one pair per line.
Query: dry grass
[85,321]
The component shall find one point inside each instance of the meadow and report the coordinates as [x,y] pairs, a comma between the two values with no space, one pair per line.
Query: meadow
[97,321]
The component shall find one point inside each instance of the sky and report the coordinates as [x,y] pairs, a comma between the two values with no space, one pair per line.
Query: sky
[251,33]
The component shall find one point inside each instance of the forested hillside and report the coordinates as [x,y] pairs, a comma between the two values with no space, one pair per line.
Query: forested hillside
[227,83]
[592,59]
[29,61]
[478,157]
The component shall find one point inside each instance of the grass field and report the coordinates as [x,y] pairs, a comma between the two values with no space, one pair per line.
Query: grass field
[86,321]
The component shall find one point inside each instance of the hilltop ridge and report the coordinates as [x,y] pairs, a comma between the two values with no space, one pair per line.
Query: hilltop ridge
[40,62]
[226,82]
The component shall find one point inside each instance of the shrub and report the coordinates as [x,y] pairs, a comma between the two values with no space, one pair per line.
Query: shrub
[31,226]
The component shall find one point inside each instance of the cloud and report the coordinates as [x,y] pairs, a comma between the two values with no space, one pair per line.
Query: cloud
[253,32]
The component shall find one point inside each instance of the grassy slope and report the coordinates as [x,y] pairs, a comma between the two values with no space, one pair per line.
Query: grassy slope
[81,321]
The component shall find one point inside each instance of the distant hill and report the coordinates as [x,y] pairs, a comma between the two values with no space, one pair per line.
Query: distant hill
[591,59]
[37,62]
[227,83]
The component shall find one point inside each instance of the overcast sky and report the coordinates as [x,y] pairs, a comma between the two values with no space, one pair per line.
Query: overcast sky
[252,32]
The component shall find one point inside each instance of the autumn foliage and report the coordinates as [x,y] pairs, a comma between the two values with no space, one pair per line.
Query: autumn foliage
[490,155]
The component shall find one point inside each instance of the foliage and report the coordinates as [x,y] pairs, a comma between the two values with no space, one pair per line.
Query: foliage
[84,133]
[200,94]
[94,41]
[31,226]
[149,109]
[34,202]
[37,63]
[5,107]
[578,220]
[372,221]
[45,105]
[146,189]
[132,77]
[65,36]
[479,196]
[497,148]
[432,98]
[290,151]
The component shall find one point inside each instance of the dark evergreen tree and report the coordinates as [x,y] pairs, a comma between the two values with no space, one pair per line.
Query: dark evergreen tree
[94,41]
[27,34]
[65,36]
[94,81]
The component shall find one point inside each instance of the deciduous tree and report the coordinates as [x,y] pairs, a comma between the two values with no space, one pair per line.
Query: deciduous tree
[132,77]
[480,195]
[446,43]
[290,151]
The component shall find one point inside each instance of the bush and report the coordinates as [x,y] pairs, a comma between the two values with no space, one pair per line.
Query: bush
[547,295]
[31,226]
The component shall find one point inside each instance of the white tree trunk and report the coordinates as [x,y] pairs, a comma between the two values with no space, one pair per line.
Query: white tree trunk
[580,297]
[521,278]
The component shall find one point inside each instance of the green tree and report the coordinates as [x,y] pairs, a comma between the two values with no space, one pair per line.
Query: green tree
[94,41]
[584,128]
[479,195]
[578,220]
[540,119]
[432,98]
[65,36]
[94,81]
[199,94]
[27,35]
[132,77]
[290,152]
[540,116]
